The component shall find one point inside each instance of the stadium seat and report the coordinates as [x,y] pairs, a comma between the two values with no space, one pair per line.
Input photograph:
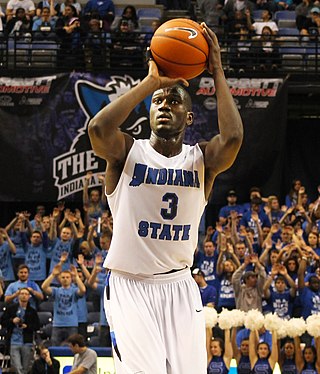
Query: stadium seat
[285,18]
[46,306]
[149,12]
[288,31]
[146,28]
[94,341]
[3,305]
[118,11]
[45,318]
[44,54]
[147,21]
[93,317]
[90,306]
[19,53]
[3,53]
[292,58]
[257,15]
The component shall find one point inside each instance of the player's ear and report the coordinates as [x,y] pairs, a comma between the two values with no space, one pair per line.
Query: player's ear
[190,116]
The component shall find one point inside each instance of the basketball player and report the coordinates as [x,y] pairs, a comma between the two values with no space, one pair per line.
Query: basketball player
[157,190]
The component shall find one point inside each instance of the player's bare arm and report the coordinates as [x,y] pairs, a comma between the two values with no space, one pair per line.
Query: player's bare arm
[107,141]
[221,151]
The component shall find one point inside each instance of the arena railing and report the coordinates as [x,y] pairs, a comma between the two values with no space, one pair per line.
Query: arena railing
[99,52]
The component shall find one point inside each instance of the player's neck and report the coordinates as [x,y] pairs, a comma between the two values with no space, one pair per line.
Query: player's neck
[167,147]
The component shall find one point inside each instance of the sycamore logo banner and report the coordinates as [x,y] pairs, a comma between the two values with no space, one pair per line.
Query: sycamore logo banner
[70,168]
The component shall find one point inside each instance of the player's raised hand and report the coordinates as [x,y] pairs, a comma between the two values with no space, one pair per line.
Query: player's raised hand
[214,60]
[163,81]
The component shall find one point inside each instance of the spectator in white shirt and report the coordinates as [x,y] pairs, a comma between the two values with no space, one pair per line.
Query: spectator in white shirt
[259,25]
[27,5]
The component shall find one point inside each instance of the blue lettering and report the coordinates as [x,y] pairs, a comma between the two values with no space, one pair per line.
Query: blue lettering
[170,177]
[143,228]
[188,178]
[155,227]
[176,229]
[152,176]
[138,175]
[165,233]
[196,179]
[177,177]
[162,177]
[178,180]
[186,232]
[155,230]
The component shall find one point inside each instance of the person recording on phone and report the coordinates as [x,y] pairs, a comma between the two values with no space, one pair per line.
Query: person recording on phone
[21,321]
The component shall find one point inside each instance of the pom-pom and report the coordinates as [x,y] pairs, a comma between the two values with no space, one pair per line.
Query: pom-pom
[282,331]
[237,316]
[272,322]
[296,327]
[224,319]
[313,325]
[210,316]
[254,320]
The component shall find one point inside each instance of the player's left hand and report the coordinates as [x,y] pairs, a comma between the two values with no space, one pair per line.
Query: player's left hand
[162,80]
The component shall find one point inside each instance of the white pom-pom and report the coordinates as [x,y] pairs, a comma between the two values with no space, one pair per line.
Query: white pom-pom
[254,320]
[296,327]
[237,316]
[272,322]
[313,325]
[210,316]
[224,319]
[282,331]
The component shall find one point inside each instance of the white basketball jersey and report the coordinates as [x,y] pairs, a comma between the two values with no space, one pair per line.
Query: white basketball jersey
[156,208]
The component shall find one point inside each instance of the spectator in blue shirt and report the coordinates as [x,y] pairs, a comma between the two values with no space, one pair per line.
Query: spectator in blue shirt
[309,295]
[7,249]
[232,205]
[226,266]
[104,8]
[281,298]
[12,292]
[208,293]
[207,262]
[35,252]
[255,217]
[62,244]
[65,313]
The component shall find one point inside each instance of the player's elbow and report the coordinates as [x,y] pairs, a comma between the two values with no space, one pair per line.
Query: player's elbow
[94,130]
[235,139]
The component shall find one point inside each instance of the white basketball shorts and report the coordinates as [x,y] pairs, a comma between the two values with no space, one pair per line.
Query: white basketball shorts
[157,323]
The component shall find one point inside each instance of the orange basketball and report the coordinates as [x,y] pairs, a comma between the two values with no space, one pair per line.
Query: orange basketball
[179,48]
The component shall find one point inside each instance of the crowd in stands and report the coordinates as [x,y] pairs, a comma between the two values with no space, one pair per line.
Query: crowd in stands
[260,255]
[83,31]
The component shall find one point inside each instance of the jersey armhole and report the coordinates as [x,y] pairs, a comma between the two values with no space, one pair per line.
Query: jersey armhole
[122,172]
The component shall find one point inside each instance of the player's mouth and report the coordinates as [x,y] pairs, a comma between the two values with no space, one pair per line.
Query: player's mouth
[163,118]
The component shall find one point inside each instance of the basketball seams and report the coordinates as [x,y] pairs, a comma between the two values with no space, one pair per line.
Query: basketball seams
[178,63]
[166,36]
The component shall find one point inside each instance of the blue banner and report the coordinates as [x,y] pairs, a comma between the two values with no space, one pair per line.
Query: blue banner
[45,150]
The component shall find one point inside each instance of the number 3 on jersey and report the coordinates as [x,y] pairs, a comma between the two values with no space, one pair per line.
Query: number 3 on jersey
[171,211]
